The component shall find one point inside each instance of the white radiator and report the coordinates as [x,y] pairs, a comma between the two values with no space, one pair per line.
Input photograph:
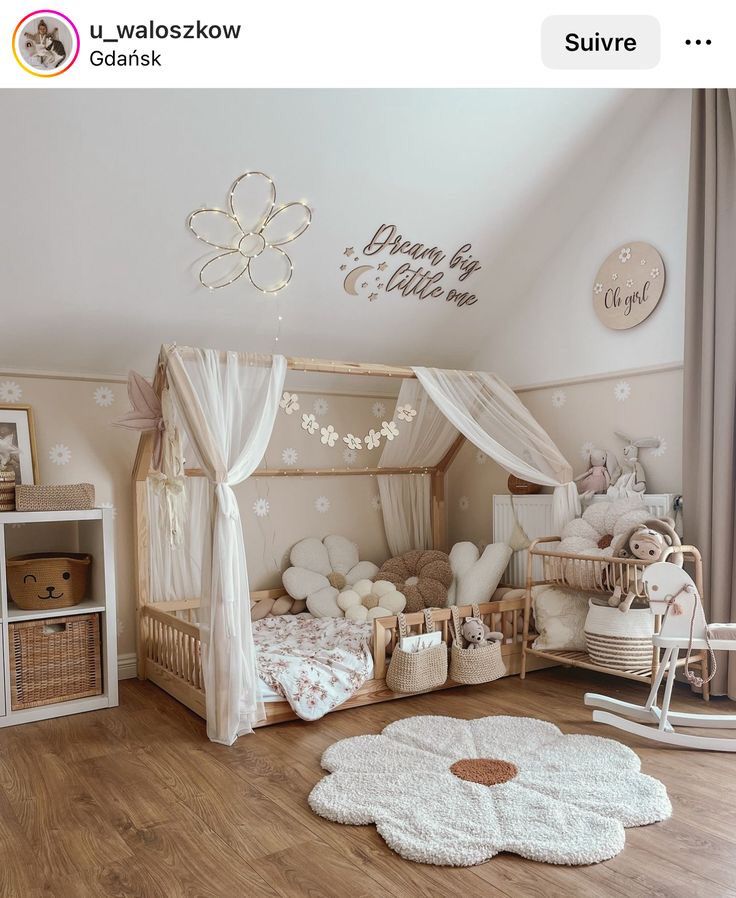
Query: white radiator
[535,516]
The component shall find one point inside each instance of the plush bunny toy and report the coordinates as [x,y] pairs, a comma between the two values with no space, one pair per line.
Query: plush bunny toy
[476,633]
[601,472]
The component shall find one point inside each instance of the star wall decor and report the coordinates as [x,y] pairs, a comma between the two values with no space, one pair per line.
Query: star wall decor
[250,235]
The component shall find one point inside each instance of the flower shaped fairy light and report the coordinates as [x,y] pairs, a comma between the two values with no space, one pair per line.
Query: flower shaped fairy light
[250,235]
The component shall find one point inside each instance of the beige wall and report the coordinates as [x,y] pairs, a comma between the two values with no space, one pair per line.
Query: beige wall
[575,415]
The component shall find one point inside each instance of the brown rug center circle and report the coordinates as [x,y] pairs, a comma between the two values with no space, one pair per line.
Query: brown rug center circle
[486,771]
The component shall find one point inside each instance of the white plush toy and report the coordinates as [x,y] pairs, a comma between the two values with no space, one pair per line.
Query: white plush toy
[366,601]
[321,569]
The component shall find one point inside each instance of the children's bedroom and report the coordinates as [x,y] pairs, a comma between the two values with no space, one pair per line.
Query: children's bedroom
[367,493]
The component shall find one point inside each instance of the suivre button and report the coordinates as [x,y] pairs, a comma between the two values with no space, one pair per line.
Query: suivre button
[600,42]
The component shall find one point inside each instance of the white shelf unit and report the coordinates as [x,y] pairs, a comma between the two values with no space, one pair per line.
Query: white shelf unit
[62,531]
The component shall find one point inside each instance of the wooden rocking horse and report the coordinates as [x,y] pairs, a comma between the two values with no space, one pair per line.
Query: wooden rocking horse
[672,593]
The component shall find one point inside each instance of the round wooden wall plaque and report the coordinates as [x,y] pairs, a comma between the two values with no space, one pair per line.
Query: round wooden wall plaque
[628,285]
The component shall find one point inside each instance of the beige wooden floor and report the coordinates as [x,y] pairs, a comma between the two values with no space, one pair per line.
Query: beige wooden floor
[135,802]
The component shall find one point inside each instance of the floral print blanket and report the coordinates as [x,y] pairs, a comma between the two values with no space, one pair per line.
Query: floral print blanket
[315,663]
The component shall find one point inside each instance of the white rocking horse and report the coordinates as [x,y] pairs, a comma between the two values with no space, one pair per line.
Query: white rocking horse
[672,593]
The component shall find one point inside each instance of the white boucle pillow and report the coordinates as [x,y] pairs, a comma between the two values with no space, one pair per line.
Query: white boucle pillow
[476,582]
[559,616]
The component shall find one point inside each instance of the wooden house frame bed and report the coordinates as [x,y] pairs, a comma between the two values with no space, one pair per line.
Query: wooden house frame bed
[168,644]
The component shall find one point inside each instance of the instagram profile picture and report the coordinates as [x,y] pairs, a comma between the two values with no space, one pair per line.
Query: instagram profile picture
[45,43]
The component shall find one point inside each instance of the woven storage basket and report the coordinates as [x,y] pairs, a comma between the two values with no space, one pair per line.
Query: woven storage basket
[619,641]
[31,578]
[471,666]
[54,497]
[54,660]
[417,671]
[7,490]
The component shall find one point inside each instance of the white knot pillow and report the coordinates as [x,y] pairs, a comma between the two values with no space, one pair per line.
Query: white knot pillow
[323,568]
[366,600]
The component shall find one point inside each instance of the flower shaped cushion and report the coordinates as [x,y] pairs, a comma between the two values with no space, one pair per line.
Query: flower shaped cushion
[422,575]
[494,784]
[365,600]
[321,569]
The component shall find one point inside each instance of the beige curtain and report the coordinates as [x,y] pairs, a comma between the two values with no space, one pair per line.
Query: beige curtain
[710,358]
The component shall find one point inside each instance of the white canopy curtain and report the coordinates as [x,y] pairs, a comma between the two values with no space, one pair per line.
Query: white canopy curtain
[489,414]
[227,403]
[405,498]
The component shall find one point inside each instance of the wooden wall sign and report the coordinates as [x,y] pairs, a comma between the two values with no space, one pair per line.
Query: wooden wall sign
[628,285]
[392,263]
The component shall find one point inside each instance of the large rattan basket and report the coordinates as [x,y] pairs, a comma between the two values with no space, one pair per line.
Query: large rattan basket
[421,671]
[473,665]
[54,660]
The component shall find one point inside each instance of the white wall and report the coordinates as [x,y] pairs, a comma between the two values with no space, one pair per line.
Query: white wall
[628,182]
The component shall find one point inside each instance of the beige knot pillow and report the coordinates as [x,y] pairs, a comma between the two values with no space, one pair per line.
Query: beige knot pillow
[422,575]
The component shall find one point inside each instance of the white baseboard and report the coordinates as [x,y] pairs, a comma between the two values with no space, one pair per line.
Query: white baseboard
[127,666]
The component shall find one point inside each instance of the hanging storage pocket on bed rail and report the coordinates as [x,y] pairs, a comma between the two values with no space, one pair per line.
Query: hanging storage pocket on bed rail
[477,663]
[417,671]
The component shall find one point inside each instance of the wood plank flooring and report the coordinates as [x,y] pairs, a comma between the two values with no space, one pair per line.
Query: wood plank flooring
[134,802]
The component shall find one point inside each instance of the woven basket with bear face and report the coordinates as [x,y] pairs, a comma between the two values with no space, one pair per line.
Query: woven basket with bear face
[48,580]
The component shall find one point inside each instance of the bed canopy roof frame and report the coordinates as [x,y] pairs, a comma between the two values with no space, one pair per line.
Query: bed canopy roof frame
[226,403]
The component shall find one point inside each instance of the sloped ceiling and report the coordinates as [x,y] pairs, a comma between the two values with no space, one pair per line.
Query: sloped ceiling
[99,267]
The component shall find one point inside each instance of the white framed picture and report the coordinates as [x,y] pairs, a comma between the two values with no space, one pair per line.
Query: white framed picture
[18,442]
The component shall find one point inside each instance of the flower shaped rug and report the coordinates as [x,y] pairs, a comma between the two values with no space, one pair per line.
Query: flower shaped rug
[457,792]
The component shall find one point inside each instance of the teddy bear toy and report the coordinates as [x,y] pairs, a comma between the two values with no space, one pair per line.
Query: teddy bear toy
[647,542]
[476,633]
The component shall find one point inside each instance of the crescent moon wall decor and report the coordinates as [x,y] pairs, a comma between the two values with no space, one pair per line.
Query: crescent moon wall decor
[250,235]
[351,278]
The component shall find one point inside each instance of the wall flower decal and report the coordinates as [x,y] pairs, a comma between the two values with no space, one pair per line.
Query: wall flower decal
[289,456]
[661,449]
[320,407]
[559,398]
[111,507]
[10,391]
[378,409]
[322,504]
[622,390]
[463,503]
[350,456]
[261,508]
[250,235]
[480,457]
[59,454]
[104,397]
[376,503]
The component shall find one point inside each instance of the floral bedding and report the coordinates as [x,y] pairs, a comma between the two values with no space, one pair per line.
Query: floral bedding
[315,663]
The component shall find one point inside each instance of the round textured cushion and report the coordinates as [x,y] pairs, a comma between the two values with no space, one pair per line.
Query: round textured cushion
[422,575]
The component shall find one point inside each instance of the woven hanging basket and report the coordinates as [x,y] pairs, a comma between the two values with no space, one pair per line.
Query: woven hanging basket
[420,671]
[473,665]
[619,641]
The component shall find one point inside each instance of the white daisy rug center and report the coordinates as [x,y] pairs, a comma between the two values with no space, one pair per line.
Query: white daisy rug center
[484,771]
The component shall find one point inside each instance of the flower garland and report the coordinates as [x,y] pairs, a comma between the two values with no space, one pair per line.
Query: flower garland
[329,436]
